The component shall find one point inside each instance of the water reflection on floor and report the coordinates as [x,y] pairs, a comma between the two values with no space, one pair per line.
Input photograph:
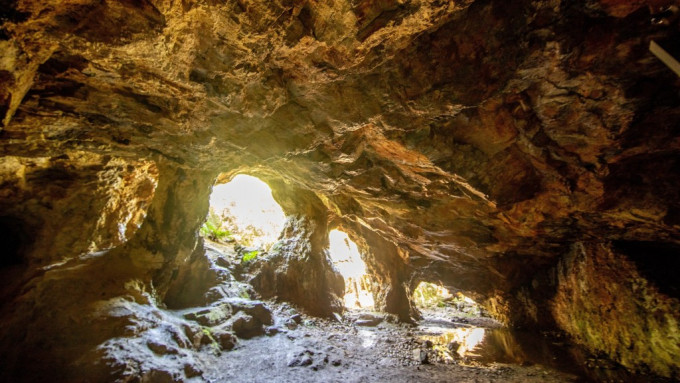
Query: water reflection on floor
[476,346]
[368,338]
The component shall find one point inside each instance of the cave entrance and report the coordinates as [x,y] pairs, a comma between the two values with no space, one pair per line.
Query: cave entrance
[433,297]
[429,295]
[347,260]
[244,211]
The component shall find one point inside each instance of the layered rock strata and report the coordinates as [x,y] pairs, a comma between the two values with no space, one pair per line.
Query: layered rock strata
[496,147]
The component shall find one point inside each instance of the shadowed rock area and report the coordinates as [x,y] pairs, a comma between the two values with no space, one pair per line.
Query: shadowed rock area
[523,153]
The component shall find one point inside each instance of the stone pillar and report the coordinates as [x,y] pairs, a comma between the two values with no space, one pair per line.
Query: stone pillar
[387,264]
[298,268]
[168,236]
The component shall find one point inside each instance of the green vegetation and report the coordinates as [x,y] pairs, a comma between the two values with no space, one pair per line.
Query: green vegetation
[213,343]
[249,256]
[429,295]
[244,294]
[212,228]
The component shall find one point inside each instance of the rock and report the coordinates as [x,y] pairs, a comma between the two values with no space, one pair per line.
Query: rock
[420,356]
[365,322]
[160,376]
[453,347]
[231,289]
[192,371]
[427,343]
[211,316]
[290,324]
[194,333]
[300,359]
[207,338]
[256,309]
[223,262]
[246,326]
[297,318]
[160,348]
[271,330]
[368,320]
[224,338]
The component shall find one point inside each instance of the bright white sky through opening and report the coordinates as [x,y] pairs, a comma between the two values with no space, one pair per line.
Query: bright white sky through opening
[249,201]
[346,259]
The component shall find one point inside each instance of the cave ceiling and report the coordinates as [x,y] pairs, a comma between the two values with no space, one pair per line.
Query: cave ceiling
[480,136]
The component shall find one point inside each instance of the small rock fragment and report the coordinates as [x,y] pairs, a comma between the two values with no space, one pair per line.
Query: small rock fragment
[160,348]
[192,371]
[420,356]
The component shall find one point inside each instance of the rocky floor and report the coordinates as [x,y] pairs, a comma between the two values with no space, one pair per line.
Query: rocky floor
[314,350]
[256,341]
[233,337]
[303,349]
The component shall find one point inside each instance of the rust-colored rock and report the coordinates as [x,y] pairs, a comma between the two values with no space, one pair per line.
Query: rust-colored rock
[477,143]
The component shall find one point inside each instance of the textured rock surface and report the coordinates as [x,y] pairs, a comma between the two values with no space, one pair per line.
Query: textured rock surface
[472,143]
[298,269]
[596,286]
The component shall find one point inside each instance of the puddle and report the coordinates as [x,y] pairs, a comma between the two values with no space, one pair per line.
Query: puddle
[368,338]
[476,346]
[456,344]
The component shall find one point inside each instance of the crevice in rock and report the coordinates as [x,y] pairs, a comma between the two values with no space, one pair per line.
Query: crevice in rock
[16,240]
[658,262]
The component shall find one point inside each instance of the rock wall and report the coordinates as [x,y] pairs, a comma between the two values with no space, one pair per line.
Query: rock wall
[469,142]
[598,287]
[63,310]
[298,269]
[388,267]
[105,197]
[616,299]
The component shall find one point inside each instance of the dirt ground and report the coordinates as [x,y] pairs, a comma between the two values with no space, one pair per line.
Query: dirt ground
[316,350]
[450,344]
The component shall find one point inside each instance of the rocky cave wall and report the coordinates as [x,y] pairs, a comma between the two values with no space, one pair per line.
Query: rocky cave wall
[506,149]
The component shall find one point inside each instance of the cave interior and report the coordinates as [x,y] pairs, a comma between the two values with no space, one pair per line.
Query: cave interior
[524,155]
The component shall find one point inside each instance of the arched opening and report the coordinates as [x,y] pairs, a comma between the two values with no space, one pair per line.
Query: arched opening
[434,297]
[245,212]
[455,325]
[347,260]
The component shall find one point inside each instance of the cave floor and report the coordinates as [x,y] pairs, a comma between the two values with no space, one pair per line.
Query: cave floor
[450,344]
[317,350]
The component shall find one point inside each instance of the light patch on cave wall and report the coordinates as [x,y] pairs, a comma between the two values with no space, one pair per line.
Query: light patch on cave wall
[431,295]
[435,296]
[247,211]
[460,341]
[347,260]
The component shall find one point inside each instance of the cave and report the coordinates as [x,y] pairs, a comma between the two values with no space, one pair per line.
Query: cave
[505,172]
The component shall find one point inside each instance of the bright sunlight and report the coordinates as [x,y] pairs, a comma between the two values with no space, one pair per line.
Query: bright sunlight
[346,259]
[243,210]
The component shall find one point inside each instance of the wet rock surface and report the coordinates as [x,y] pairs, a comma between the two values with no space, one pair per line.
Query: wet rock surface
[329,351]
[477,143]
